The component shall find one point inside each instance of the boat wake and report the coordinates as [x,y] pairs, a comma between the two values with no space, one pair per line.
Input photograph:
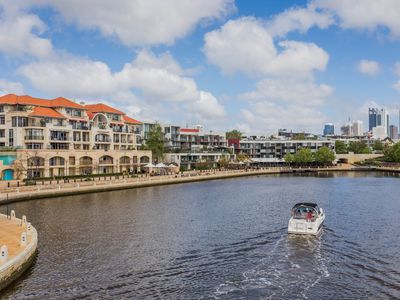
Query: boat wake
[290,269]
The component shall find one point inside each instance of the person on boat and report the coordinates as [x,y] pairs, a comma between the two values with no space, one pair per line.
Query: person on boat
[309,216]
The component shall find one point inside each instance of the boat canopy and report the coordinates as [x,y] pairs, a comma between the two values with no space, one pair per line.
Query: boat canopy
[300,210]
[307,204]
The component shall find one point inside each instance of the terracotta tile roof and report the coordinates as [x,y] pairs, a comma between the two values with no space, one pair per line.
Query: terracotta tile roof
[90,115]
[45,112]
[189,130]
[25,100]
[28,100]
[103,108]
[63,102]
[131,121]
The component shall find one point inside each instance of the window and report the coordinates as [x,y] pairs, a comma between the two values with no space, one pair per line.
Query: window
[2,133]
[77,113]
[34,146]
[2,119]
[11,137]
[1,108]
[58,136]
[19,121]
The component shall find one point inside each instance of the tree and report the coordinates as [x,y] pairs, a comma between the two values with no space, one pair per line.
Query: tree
[377,146]
[299,136]
[340,147]
[242,157]
[392,154]
[233,135]
[304,156]
[359,147]
[19,169]
[223,163]
[289,158]
[155,142]
[324,156]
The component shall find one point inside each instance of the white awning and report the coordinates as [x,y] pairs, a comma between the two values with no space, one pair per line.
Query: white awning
[150,165]
[160,165]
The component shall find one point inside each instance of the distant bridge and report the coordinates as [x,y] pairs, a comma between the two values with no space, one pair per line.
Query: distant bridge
[352,158]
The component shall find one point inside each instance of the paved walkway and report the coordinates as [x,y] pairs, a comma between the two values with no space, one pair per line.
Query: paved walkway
[10,235]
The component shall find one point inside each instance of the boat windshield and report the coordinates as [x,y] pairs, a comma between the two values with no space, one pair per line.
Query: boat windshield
[304,212]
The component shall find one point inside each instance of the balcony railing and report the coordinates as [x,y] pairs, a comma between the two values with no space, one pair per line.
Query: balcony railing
[103,140]
[34,137]
[80,127]
[117,129]
[61,139]
[36,124]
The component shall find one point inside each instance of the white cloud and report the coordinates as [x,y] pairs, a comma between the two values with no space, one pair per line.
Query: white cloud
[20,33]
[156,78]
[70,76]
[368,15]
[286,95]
[137,22]
[396,86]
[298,19]
[369,67]
[245,45]
[268,117]
[292,103]
[9,87]
[207,106]
[396,68]
[291,91]
[364,14]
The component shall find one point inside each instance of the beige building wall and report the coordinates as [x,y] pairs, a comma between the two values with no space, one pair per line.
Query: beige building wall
[51,163]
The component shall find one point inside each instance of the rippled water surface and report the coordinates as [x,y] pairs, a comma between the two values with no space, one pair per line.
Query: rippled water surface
[222,239]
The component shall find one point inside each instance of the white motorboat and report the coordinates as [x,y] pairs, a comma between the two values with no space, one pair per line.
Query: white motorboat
[307,218]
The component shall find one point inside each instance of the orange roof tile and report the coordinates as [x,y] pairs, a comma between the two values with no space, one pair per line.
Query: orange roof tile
[63,102]
[90,115]
[45,112]
[102,108]
[131,121]
[28,100]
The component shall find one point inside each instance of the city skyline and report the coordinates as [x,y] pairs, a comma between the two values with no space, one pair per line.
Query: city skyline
[303,63]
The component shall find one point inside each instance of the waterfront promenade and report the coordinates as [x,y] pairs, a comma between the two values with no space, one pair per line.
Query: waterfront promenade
[60,188]
[18,245]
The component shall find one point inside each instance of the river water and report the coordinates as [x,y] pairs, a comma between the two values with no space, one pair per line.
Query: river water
[221,239]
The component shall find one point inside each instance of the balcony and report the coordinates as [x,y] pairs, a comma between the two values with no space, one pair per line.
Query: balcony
[118,129]
[107,140]
[34,137]
[80,127]
[59,139]
[36,124]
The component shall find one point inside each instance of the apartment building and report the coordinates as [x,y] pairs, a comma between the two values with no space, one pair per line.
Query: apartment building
[60,137]
[265,150]
[192,160]
[177,138]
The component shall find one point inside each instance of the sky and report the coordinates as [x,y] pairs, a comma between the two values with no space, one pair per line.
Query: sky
[256,66]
